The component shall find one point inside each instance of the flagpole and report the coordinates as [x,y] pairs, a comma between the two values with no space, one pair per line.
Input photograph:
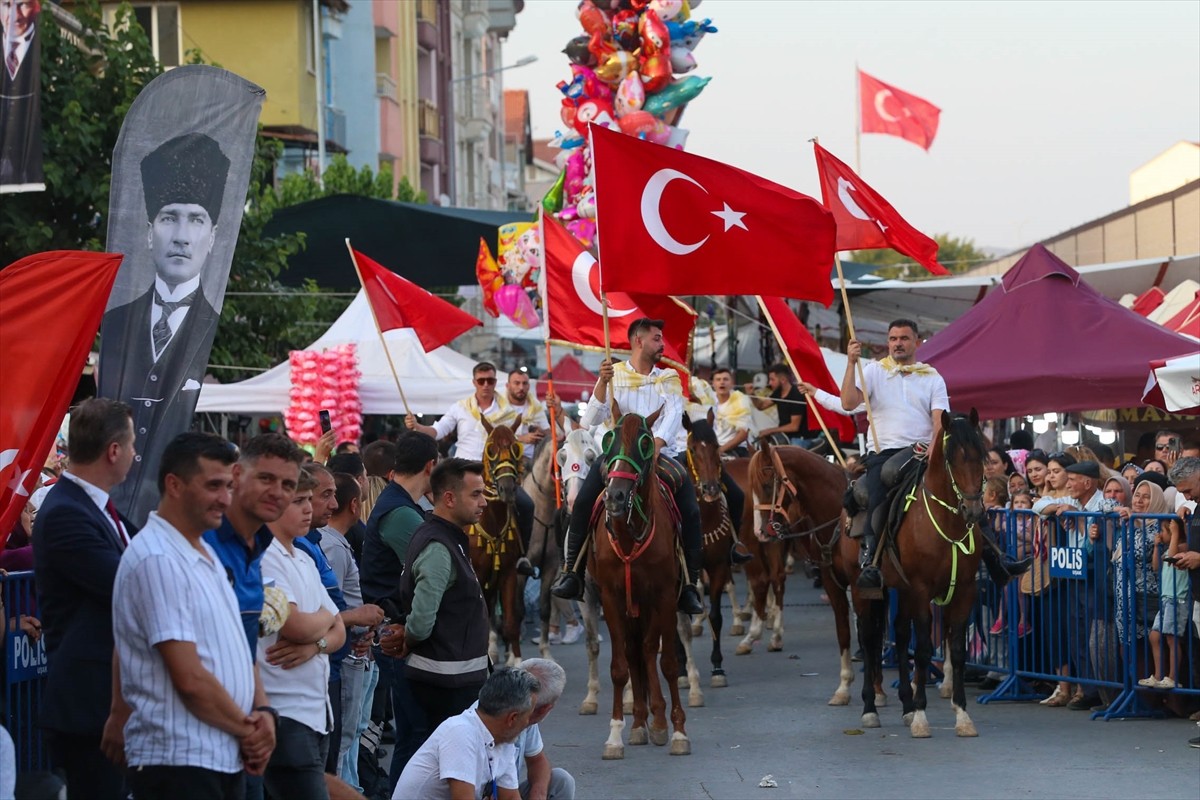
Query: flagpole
[379,330]
[837,451]
[862,378]
[553,430]
[857,120]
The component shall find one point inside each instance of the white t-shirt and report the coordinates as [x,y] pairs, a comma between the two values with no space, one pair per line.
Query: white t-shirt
[532,412]
[300,693]
[902,404]
[463,749]
[734,415]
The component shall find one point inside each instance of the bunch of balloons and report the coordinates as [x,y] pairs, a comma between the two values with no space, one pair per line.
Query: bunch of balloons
[509,284]
[325,380]
[628,73]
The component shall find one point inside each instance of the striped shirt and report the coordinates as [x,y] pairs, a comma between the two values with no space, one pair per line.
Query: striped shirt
[166,590]
[642,394]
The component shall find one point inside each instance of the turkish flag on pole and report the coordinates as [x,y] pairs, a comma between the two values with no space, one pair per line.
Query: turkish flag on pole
[50,309]
[398,303]
[865,221]
[804,354]
[674,223]
[571,311]
[886,109]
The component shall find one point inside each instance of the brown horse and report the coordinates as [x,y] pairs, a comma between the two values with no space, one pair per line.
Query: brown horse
[496,539]
[635,563]
[719,529]
[805,491]
[938,555]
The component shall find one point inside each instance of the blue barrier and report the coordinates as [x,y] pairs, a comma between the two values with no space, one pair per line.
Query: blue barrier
[1090,604]
[24,672]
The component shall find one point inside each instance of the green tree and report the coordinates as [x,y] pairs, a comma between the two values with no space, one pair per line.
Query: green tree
[954,253]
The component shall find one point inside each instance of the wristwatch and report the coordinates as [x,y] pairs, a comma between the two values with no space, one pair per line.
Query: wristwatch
[322,645]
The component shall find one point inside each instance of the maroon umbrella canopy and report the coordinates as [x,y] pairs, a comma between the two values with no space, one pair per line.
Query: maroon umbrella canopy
[1046,341]
[571,380]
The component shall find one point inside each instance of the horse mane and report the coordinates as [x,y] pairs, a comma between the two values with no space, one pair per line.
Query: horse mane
[963,434]
[703,432]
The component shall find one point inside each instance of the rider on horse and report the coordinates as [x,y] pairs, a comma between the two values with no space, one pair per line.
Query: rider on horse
[639,387]
[464,417]
[906,397]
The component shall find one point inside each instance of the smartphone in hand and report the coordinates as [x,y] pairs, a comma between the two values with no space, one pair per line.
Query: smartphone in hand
[326,425]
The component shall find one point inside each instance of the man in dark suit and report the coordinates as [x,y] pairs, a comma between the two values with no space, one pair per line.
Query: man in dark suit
[78,541]
[20,98]
[160,341]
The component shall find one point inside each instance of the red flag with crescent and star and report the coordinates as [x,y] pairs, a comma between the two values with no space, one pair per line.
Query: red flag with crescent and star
[804,354]
[571,310]
[399,303]
[674,223]
[50,309]
[865,221]
[886,109]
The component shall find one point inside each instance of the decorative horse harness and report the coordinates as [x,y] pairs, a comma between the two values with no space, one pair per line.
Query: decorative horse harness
[497,465]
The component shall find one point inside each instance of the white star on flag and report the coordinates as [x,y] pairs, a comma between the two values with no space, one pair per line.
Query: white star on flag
[731,218]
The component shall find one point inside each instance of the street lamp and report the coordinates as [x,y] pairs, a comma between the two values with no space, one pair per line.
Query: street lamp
[520,62]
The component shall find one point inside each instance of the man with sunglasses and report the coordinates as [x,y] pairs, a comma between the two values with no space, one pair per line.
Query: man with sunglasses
[1167,447]
[465,418]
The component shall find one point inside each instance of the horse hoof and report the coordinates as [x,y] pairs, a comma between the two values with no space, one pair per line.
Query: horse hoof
[743,649]
[587,709]
[946,690]
[966,729]
[744,615]
[659,738]
[637,737]
[737,629]
[840,698]
[718,682]
[696,700]
[774,646]
[908,718]
[681,746]
[870,720]
[697,630]
[627,709]
[920,731]
[682,682]
[881,700]
[613,752]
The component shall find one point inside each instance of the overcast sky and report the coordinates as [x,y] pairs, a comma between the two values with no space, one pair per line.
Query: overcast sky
[1046,106]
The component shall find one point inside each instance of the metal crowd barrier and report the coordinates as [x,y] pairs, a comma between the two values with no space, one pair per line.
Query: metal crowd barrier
[24,673]
[1090,603]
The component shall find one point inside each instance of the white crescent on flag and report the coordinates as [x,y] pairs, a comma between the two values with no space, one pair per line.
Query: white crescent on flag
[652,218]
[581,279]
[880,97]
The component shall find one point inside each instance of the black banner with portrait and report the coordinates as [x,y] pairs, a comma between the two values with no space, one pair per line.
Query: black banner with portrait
[180,173]
[20,96]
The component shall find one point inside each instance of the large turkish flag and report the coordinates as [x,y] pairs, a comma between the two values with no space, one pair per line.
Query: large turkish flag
[571,311]
[886,109]
[674,223]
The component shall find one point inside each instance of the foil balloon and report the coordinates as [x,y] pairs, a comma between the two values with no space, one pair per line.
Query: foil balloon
[552,200]
[616,66]
[584,84]
[587,206]
[575,173]
[667,9]
[577,51]
[682,60]
[489,277]
[601,46]
[655,70]
[677,138]
[644,125]
[625,29]
[585,231]
[591,18]
[655,38]
[631,94]
[675,95]
[593,110]
[514,303]
[567,112]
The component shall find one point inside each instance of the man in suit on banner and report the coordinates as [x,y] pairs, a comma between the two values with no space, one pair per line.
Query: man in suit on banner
[20,95]
[163,337]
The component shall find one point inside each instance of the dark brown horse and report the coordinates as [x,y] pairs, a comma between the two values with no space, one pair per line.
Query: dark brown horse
[938,555]
[804,491]
[496,539]
[718,528]
[636,565]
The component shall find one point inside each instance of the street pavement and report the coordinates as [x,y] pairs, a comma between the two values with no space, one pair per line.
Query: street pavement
[773,720]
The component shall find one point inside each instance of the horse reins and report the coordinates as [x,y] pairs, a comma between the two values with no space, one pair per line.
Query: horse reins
[956,545]
[781,488]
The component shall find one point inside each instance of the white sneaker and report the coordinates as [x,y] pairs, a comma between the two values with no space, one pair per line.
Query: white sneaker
[1166,683]
[554,638]
[572,634]
[1150,682]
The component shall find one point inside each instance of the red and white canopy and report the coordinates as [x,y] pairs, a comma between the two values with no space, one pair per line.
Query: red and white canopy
[1174,384]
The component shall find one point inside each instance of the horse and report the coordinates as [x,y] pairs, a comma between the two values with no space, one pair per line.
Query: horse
[805,493]
[495,541]
[549,527]
[935,558]
[718,528]
[636,564]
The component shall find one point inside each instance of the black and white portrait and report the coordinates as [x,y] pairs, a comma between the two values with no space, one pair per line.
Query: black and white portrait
[20,96]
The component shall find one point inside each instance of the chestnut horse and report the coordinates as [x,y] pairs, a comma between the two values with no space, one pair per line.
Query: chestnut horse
[496,539]
[935,559]
[805,492]
[635,562]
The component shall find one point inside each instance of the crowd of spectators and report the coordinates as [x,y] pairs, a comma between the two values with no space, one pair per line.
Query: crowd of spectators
[267,621]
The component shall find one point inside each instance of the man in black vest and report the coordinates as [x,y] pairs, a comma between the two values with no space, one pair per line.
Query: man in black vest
[390,528]
[446,629]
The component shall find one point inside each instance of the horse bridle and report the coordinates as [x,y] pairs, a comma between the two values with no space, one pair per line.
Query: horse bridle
[962,497]
[636,477]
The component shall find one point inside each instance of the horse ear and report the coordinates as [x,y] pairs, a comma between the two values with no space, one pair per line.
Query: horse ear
[487,426]
[514,427]
[616,409]
[946,420]
[562,458]
[653,418]
[712,417]
[974,417]
[687,422]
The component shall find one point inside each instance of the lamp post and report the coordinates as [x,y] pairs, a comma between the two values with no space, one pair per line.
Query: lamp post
[521,62]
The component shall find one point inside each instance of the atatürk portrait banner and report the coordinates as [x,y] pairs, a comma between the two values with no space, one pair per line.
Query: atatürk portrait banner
[180,172]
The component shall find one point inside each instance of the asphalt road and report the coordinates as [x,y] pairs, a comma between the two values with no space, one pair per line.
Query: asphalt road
[772,719]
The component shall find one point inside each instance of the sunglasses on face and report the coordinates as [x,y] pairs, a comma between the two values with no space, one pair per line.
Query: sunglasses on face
[485,381]
[1166,446]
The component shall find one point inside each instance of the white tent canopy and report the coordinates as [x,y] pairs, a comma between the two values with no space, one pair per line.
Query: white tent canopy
[431,381]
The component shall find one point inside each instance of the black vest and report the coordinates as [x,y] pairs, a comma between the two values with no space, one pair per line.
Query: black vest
[455,654]
[380,569]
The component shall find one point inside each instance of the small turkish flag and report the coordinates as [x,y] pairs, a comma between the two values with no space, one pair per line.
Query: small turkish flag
[674,223]
[886,109]
[571,311]
[50,309]
[865,221]
[805,356]
[398,303]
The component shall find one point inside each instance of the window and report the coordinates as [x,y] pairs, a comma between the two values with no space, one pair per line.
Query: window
[161,22]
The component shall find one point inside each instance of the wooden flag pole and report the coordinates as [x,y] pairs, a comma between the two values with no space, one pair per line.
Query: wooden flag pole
[862,379]
[553,431]
[379,330]
[833,445]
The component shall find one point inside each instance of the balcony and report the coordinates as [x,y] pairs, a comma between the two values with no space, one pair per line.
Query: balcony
[475,110]
[475,19]
[385,86]
[335,126]
[427,20]
[429,127]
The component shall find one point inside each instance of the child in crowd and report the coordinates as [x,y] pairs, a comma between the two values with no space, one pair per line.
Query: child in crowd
[1172,618]
[1025,527]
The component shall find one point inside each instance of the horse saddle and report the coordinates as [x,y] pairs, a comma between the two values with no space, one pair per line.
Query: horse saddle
[900,474]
